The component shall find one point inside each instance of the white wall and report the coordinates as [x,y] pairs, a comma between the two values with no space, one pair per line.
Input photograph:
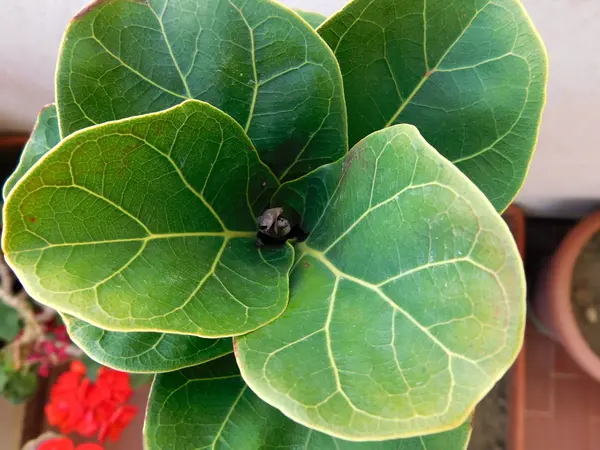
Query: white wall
[564,175]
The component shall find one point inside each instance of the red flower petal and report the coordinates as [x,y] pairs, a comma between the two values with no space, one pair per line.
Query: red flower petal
[117,383]
[77,404]
[89,447]
[78,367]
[44,370]
[87,426]
[117,423]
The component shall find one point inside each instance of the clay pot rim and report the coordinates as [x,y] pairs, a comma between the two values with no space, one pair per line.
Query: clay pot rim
[10,140]
[560,279]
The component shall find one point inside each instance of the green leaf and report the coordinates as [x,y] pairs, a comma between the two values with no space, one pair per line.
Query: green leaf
[45,135]
[407,299]
[10,323]
[255,60]
[144,352]
[148,224]
[20,386]
[210,406]
[470,75]
[314,19]
[92,367]
[4,374]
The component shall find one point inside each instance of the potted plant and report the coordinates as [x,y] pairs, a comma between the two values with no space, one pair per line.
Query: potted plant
[568,300]
[297,230]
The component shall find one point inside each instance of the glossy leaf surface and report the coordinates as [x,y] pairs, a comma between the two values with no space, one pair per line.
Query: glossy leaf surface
[407,299]
[210,406]
[148,224]
[256,60]
[469,74]
[44,136]
[144,352]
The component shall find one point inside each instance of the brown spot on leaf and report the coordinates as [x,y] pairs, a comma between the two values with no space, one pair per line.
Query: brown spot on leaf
[32,219]
[306,264]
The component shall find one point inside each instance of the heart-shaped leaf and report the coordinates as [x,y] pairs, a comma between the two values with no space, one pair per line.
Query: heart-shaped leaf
[45,135]
[471,75]
[210,406]
[312,18]
[407,299]
[144,352]
[255,60]
[148,224]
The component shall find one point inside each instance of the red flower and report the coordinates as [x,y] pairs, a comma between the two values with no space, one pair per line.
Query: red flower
[57,444]
[115,384]
[61,335]
[116,424]
[66,408]
[48,354]
[78,367]
[66,444]
[77,404]
[89,447]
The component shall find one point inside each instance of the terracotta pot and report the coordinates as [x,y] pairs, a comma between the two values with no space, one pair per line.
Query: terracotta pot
[515,218]
[10,151]
[552,302]
[12,141]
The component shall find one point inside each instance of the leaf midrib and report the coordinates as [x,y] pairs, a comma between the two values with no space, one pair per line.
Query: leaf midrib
[223,234]
[418,87]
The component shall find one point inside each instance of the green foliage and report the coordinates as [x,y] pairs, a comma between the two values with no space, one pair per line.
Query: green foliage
[255,60]
[144,199]
[10,323]
[17,385]
[411,341]
[44,137]
[133,212]
[471,75]
[144,352]
[214,398]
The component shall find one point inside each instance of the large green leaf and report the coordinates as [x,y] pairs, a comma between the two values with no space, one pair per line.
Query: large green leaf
[407,299]
[256,60]
[470,74]
[45,135]
[144,352]
[210,406]
[148,224]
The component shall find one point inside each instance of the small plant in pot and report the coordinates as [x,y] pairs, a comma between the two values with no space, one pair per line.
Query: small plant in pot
[297,230]
[568,299]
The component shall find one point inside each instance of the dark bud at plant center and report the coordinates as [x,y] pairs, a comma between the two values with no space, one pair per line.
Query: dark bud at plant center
[274,229]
